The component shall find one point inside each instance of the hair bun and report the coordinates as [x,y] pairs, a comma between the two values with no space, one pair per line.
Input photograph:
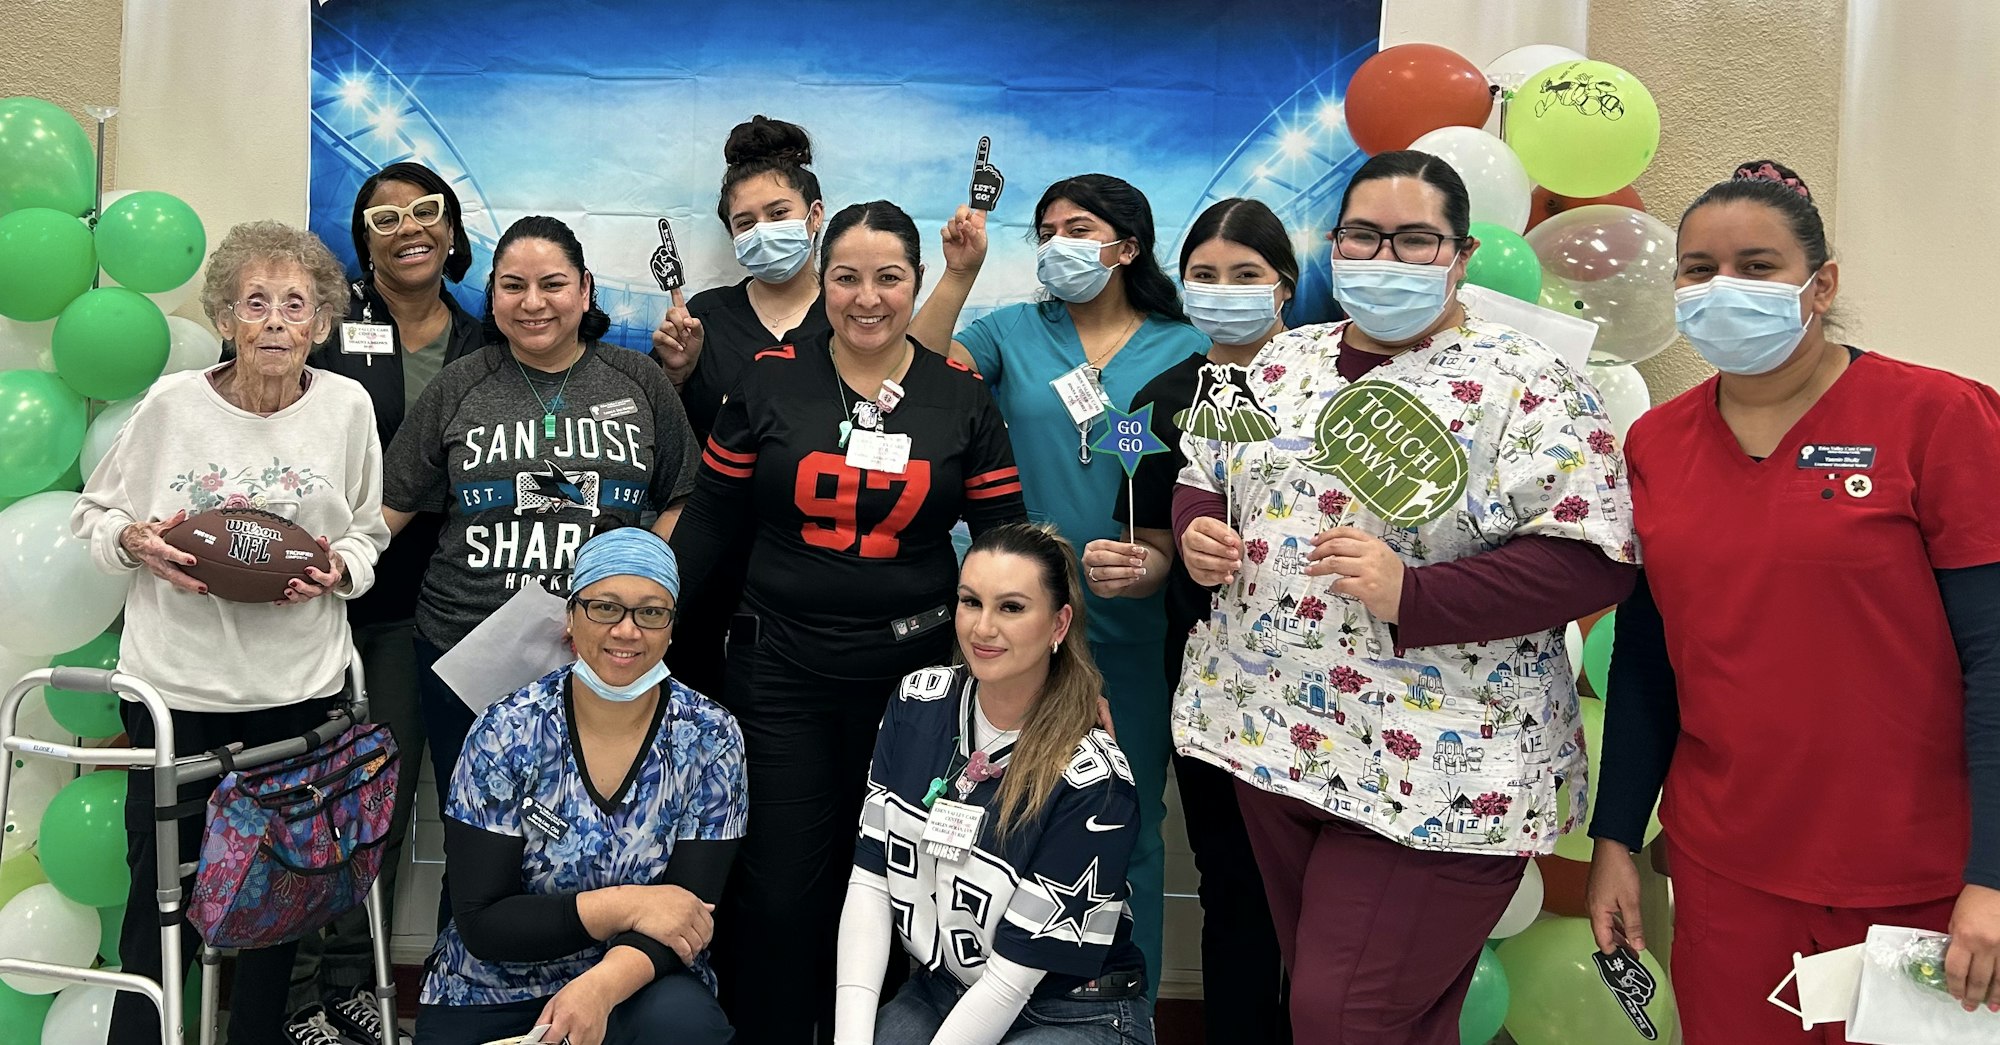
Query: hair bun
[1772,171]
[762,138]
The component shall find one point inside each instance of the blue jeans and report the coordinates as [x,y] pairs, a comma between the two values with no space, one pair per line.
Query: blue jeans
[918,1010]
[675,1007]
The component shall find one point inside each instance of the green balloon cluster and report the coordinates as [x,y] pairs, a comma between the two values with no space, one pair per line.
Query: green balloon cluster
[1504,262]
[150,241]
[41,430]
[110,343]
[82,847]
[45,158]
[46,260]
[87,714]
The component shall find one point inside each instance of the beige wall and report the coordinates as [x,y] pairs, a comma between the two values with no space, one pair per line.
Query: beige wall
[1734,81]
[65,51]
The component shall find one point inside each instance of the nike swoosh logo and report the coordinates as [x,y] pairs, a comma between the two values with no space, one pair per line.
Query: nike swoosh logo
[1092,825]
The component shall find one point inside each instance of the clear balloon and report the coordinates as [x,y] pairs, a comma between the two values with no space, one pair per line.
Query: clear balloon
[111,343]
[1584,128]
[194,347]
[1522,909]
[1615,267]
[41,431]
[1511,70]
[46,260]
[80,1016]
[1622,390]
[103,432]
[1545,204]
[52,597]
[45,158]
[1493,175]
[26,346]
[44,925]
[1556,996]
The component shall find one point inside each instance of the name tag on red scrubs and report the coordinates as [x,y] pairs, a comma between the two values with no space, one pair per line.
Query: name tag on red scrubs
[1836,456]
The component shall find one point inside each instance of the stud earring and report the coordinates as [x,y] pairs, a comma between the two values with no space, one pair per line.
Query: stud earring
[1055,647]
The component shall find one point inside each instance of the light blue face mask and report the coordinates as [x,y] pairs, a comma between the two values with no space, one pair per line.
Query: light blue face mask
[1742,326]
[1391,301]
[621,694]
[1072,269]
[775,251]
[1232,315]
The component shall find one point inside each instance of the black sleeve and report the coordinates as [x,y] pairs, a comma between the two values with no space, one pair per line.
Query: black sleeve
[700,866]
[1972,608]
[720,516]
[674,448]
[497,921]
[992,483]
[1642,722]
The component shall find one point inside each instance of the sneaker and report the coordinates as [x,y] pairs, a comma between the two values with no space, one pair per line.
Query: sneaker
[358,1017]
[308,1026]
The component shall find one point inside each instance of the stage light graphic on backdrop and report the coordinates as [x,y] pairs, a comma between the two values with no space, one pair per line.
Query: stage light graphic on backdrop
[610,117]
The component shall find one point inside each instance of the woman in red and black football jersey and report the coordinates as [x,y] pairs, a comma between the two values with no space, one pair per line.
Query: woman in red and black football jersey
[840,465]
[1811,664]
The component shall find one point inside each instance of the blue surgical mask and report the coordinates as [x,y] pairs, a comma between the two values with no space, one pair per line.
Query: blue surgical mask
[1073,270]
[775,251]
[621,694]
[1742,326]
[1232,315]
[1391,301]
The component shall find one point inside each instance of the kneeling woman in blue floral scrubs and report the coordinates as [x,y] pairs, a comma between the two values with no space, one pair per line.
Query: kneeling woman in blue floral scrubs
[592,820]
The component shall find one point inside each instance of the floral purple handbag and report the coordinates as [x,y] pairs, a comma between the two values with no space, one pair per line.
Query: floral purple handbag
[293,845]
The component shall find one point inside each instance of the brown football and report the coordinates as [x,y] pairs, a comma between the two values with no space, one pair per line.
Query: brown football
[246,554]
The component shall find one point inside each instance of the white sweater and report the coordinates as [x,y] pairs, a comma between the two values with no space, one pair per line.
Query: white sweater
[317,462]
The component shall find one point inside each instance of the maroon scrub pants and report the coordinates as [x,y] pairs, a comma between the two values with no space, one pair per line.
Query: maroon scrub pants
[1380,938]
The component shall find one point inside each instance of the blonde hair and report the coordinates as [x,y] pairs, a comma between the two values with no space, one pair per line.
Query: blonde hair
[271,241]
[1066,711]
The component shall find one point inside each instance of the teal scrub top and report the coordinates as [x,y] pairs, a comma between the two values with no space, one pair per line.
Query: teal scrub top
[1019,350]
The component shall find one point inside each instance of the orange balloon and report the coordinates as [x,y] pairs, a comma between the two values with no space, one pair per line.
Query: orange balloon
[1544,204]
[1410,90]
[1563,883]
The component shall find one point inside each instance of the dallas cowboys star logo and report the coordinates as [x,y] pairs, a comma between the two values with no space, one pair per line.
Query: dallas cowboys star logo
[1074,903]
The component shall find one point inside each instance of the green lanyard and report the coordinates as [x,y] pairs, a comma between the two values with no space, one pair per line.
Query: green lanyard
[550,407]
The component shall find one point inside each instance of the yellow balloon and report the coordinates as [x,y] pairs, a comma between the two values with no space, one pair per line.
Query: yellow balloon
[17,873]
[1583,128]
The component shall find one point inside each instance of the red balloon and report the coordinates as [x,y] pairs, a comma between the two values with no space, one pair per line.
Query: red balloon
[1545,204]
[1563,883]
[1410,90]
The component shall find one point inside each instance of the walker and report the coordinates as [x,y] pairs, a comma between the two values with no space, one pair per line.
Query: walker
[169,772]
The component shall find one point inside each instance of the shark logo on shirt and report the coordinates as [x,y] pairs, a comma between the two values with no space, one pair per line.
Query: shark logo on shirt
[551,489]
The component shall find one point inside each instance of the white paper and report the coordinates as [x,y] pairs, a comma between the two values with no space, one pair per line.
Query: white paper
[519,643]
[1827,983]
[1892,1009]
[1569,336]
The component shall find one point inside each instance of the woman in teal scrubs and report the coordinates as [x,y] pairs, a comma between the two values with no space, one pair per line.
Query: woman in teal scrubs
[1113,322]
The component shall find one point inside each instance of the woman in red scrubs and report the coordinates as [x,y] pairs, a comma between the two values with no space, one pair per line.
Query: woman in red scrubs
[1811,663]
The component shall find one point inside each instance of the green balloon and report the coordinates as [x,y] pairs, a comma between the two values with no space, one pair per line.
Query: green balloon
[46,260]
[111,343]
[110,921]
[82,847]
[87,714]
[69,482]
[1584,128]
[1597,654]
[21,1016]
[1557,998]
[1485,1002]
[41,430]
[45,158]
[1504,262]
[150,241]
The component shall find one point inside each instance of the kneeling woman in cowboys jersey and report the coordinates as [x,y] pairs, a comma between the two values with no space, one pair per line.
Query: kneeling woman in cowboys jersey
[997,830]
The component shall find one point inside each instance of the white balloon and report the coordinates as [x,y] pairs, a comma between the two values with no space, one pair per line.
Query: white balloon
[1573,642]
[1513,69]
[103,431]
[1498,184]
[26,346]
[1623,391]
[42,924]
[1524,908]
[194,346]
[29,792]
[80,1016]
[52,597]
[168,300]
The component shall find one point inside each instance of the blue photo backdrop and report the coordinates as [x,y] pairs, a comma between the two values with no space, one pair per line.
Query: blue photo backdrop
[612,114]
